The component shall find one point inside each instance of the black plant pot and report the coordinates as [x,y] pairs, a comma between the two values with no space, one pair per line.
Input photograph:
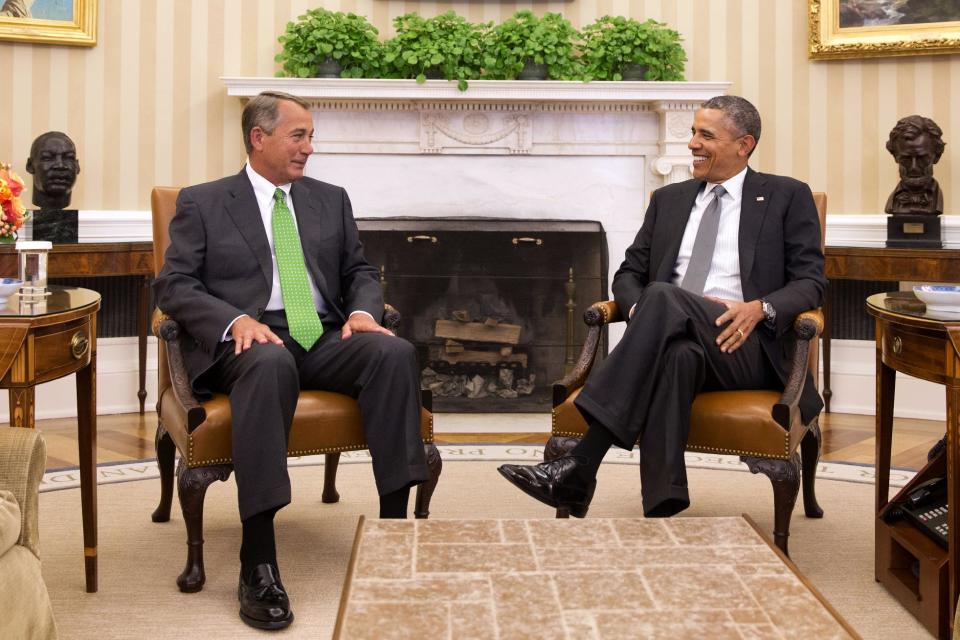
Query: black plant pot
[329,68]
[533,71]
[634,71]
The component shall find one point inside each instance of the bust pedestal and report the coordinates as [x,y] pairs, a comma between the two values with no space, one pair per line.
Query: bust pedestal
[59,226]
[913,231]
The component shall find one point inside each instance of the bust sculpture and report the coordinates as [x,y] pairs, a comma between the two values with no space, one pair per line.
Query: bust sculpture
[916,143]
[53,163]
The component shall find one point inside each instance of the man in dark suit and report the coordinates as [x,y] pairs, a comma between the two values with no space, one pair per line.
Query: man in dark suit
[721,266]
[266,273]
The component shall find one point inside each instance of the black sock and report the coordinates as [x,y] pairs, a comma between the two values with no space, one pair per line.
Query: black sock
[591,449]
[259,544]
[394,504]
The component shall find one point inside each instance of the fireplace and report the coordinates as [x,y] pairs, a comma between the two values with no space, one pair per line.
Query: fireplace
[493,306]
[529,151]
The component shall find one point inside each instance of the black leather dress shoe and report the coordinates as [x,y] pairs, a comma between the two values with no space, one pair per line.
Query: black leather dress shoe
[263,600]
[558,483]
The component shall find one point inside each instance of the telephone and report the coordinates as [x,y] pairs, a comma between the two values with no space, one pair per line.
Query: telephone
[926,506]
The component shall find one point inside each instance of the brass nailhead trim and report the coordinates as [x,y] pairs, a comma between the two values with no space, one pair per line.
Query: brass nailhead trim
[785,456]
[191,463]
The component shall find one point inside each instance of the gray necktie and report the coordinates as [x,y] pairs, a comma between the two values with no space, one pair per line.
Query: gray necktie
[702,255]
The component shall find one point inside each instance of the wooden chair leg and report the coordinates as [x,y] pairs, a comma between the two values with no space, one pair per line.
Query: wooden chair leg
[785,477]
[166,451]
[192,487]
[810,457]
[425,490]
[330,494]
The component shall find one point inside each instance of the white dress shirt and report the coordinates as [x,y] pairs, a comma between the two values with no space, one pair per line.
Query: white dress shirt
[723,279]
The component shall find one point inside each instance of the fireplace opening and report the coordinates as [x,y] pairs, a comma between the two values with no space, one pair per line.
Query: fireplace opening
[493,306]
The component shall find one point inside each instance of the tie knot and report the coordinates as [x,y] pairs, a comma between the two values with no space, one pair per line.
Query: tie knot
[718,191]
[280,197]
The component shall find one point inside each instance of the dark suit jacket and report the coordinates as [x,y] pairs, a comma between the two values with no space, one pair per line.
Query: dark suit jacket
[780,257]
[219,265]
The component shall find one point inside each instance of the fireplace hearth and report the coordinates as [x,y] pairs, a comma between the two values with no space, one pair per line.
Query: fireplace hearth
[493,306]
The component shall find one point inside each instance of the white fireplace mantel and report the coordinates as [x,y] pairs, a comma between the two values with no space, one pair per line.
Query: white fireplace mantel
[510,117]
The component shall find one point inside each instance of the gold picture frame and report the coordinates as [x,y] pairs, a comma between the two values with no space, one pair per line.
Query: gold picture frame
[80,30]
[828,39]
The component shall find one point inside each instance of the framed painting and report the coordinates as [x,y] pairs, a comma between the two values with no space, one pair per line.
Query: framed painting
[71,22]
[868,28]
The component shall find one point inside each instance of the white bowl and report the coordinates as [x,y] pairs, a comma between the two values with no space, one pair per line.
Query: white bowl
[9,286]
[939,297]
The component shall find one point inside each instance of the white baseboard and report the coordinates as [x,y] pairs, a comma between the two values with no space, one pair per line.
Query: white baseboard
[117,383]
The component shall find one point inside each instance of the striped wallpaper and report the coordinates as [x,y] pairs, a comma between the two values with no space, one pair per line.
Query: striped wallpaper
[146,106]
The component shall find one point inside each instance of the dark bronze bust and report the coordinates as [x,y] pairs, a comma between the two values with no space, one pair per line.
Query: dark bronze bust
[916,143]
[53,163]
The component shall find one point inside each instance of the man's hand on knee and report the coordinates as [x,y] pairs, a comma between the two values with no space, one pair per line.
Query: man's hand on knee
[740,318]
[246,330]
[362,323]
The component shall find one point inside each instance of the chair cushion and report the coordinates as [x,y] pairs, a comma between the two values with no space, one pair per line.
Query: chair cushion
[731,422]
[324,422]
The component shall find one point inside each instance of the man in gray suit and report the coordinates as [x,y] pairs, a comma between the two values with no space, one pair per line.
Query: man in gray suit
[266,274]
[719,270]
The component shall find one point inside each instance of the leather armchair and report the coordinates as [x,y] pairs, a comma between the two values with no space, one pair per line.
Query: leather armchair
[762,427]
[324,422]
[26,603]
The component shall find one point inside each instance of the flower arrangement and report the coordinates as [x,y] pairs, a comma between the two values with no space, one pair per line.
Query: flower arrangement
[11,209]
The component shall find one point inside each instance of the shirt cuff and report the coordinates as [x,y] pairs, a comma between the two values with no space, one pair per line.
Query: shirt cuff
[226,334]
[369,315]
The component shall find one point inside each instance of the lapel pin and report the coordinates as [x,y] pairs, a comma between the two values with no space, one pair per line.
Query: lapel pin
[759,198]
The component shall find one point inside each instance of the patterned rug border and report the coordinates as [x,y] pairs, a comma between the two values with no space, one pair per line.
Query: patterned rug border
[113,472]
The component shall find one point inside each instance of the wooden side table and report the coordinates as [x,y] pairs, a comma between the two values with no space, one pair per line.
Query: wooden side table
[924,345]
[886,265]
[103,259]
[44,340]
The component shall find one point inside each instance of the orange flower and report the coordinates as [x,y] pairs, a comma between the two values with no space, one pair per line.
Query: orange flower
[12,211]
[14,182]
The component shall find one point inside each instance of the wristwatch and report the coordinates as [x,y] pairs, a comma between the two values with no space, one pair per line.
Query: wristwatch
[769,313]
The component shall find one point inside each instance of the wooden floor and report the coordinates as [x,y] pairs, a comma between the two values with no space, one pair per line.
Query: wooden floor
[846,438]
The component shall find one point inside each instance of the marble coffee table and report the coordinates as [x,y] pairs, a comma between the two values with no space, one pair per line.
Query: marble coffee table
[592,578]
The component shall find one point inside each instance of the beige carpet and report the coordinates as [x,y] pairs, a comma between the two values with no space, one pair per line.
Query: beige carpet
[139,560]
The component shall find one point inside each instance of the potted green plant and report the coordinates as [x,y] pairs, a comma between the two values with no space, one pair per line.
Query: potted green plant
[611,45]
[446,46]
[544,45]
[329,44]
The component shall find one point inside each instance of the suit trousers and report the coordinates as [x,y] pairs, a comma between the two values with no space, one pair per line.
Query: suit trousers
[644,390]
[263,383]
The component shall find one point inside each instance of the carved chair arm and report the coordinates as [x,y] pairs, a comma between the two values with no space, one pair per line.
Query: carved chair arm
[601,313]
[168,331]
[595,317]
[391,318]
[808,326]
